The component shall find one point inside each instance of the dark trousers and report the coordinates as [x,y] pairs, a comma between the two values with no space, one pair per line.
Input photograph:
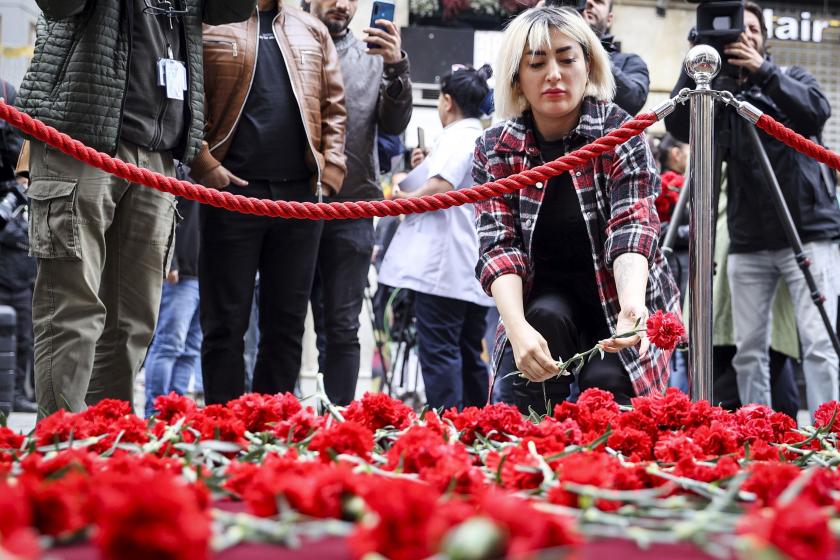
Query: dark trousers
[233,248]
[449,335]
[343,263]
[568,327]
[21,301]
[784,391]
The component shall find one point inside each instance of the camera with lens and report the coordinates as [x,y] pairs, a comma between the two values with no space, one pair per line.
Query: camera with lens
[578,5]
[11,203]
[719,22]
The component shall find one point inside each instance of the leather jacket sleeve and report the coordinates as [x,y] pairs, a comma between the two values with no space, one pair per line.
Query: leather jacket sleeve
[333,118]
[798,95]
[60,9]
[220,12]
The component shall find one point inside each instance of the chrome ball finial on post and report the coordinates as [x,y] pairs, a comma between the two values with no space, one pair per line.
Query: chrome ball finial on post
[702,64]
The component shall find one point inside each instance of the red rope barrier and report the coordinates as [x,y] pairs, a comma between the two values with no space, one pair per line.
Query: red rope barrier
[798,142]
[320,210]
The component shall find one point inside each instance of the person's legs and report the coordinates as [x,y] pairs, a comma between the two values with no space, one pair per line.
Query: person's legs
[72,206]
[784,392]
[166,346]
[252,338]
[21,301]
[188,362]
[139,246]
[476,376]
[819,360]
[229,256]
[440,322]
[287,266]
[752,282]
[316,299]
[553,316]
[344,261]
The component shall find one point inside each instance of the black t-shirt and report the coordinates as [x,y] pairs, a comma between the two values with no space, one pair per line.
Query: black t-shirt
[561,249]
[270,142]
[150,119]
[561,244]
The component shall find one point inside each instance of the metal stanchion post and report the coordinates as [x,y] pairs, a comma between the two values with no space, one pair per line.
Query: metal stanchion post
[702,64]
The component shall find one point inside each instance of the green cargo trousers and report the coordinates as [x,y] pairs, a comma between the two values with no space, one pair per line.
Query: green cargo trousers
[103,247]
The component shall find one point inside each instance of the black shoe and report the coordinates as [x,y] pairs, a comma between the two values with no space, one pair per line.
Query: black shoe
[22,404]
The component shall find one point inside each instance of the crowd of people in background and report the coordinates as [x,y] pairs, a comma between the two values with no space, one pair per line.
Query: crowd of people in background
[274,102]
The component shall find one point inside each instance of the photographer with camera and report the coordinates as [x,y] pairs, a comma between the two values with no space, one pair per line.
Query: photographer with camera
[17,268]
[632,81]
[760,253]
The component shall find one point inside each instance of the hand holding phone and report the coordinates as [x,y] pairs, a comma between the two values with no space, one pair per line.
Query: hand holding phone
[383,38]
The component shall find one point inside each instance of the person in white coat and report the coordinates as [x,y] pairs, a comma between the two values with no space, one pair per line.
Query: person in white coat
[434,254]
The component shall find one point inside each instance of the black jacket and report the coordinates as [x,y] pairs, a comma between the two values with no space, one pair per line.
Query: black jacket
[794,98]
[632,81]
[187,239]
[10,139]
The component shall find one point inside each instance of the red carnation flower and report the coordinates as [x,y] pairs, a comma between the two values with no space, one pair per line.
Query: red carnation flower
[799,530]
[528,529]
[149,515]
[60,427]
[828,413]
[347,438]
[665,330]
[400,528]
[172,407]
[299,426]
[260,412]
[378,410]
[768,480]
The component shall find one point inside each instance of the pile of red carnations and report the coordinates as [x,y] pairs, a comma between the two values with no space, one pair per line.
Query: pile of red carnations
[482,483]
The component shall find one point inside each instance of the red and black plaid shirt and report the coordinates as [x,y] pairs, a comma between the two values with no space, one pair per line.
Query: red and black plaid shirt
[616,192]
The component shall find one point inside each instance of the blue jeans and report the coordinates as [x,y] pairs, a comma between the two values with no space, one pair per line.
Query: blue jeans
[174,354]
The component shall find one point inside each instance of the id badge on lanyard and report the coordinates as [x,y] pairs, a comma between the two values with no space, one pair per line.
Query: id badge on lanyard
[172,75]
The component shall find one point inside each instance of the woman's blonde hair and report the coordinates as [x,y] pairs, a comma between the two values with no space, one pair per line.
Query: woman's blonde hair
[533,27]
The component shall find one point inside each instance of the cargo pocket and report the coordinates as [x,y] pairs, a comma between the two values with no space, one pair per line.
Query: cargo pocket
[54,225]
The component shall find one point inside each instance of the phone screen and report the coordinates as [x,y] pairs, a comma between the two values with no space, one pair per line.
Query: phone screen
[381,10]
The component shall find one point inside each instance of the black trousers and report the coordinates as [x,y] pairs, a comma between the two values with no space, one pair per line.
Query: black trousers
[784,391]
[343,263]
[233,248]
[449,335]
[21,301]
[569,325]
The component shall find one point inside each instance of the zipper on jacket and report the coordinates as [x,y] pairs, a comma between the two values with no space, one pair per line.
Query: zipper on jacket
[319,191]
[250,85]
[232,44]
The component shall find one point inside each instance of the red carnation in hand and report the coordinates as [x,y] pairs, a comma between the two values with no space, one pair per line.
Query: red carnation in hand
[665,330]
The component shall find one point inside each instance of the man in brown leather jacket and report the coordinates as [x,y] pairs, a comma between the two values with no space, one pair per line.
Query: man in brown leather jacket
[275,129]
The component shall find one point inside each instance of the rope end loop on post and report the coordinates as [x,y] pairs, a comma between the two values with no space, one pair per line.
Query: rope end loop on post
[748,111]
[665,108]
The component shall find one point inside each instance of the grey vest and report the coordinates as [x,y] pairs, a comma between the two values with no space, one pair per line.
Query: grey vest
[78,75]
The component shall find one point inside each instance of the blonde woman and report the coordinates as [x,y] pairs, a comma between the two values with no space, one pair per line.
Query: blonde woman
[571,262]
